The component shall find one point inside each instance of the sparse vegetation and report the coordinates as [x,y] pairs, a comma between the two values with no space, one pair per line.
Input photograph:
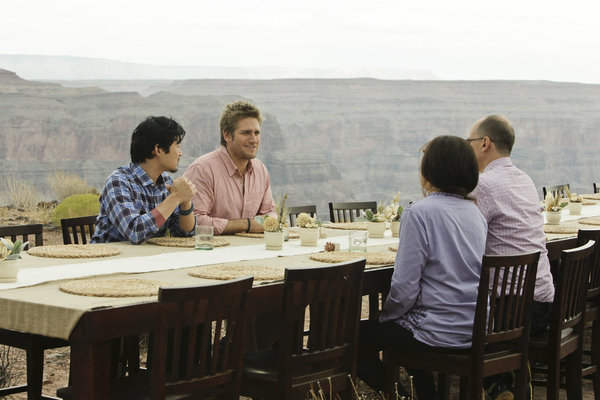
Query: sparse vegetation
[7,376]
[19,194]
[65,185]
[79,205]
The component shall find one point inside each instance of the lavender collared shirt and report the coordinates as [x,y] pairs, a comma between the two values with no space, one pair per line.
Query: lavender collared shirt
[436,275]
[508,200]
[224,193]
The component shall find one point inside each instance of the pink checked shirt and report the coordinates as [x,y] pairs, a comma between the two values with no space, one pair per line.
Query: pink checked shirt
[508,200]
[224,194]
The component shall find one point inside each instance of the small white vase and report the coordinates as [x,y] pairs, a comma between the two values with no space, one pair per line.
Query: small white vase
[376,229]
[274,240]
[309,236]
[9,270]
[395,227]
[575,208]
[553,217]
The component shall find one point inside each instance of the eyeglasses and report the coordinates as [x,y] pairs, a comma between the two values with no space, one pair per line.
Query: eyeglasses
[472,140]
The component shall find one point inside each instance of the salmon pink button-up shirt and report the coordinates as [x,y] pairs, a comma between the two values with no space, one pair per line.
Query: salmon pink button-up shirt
[224,193]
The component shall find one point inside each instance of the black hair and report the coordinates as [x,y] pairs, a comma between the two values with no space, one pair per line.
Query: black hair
[450,165]
[161,131]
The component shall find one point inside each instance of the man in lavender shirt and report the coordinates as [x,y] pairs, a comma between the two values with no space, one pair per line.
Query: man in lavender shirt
[508,200]
[233,186]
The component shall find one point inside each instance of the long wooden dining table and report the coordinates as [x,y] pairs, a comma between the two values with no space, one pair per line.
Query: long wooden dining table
[92,323]
[36,305]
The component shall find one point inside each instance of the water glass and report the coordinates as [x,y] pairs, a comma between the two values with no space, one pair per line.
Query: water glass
[204,236]
[357,240]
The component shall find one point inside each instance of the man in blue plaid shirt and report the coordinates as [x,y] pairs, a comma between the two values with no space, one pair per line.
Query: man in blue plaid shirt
[141,200]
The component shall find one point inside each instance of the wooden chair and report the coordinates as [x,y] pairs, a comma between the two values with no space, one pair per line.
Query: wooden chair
[22,232]
[596,188]
[565,339]
[591,351]
[197,347]
[560,189]
[295,210]
[376,287]
[500,337]
[325,353]
[33,345]
[74,229]
[349,212]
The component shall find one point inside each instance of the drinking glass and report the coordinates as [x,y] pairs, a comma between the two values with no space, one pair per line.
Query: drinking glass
[357,240]
[204,236]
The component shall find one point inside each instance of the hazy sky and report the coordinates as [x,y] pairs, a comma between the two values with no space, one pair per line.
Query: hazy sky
[524,39]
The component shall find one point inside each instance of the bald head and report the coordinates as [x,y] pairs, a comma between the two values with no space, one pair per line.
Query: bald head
[499,130]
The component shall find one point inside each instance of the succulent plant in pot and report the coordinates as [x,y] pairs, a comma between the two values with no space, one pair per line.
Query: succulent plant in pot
[10,250]
[552,206]
[375,223]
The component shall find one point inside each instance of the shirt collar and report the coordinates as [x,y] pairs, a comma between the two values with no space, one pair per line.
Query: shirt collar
[498,163]
[143,177]
[229,164]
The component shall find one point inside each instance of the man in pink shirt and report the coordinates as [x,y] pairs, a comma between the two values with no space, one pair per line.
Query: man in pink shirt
[509,201]
[233,186]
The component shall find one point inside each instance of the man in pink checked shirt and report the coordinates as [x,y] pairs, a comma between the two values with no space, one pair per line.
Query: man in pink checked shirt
[509,201]
[233,186]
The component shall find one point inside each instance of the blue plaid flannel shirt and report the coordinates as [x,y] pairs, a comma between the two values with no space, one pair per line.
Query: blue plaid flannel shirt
[125,204]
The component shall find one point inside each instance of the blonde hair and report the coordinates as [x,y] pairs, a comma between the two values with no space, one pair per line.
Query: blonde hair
[233,113]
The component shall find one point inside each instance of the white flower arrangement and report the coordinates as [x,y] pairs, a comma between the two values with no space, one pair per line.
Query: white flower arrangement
[306,221]
[552,203]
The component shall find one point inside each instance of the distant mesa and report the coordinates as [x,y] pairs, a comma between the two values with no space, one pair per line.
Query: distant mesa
[77,68]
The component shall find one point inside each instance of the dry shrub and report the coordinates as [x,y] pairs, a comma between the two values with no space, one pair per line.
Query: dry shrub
[19,194]
[7,376]
[65,185]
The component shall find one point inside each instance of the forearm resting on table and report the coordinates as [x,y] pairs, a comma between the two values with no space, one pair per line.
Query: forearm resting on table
[241,225]
[169,205]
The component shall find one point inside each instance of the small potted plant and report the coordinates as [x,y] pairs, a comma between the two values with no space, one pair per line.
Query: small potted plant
[553,206]
[308,229]
[375,223]
[392,214]
[9,253]
[575,204]
[274,226]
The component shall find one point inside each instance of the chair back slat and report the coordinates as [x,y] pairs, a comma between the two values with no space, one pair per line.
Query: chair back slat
[349,211]
[504,300]
[78,230]
[556,189]
[583,236]
[15,232]
[571,291]
[293,212]
[331,297]
[596,188]
[201,329]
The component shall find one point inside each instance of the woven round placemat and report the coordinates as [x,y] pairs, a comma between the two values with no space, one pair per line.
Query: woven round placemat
[589,221]
[291,235]
[593,196]
[589,202]
[73,251]
[375,257]
[112,287]
[393,247]
[348,226]
[234,271]
[560,228]
[185,242]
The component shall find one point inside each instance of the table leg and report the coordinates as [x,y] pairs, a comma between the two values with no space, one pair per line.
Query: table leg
[90,370]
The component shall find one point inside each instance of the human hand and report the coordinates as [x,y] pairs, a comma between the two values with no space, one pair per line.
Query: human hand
[183,190]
